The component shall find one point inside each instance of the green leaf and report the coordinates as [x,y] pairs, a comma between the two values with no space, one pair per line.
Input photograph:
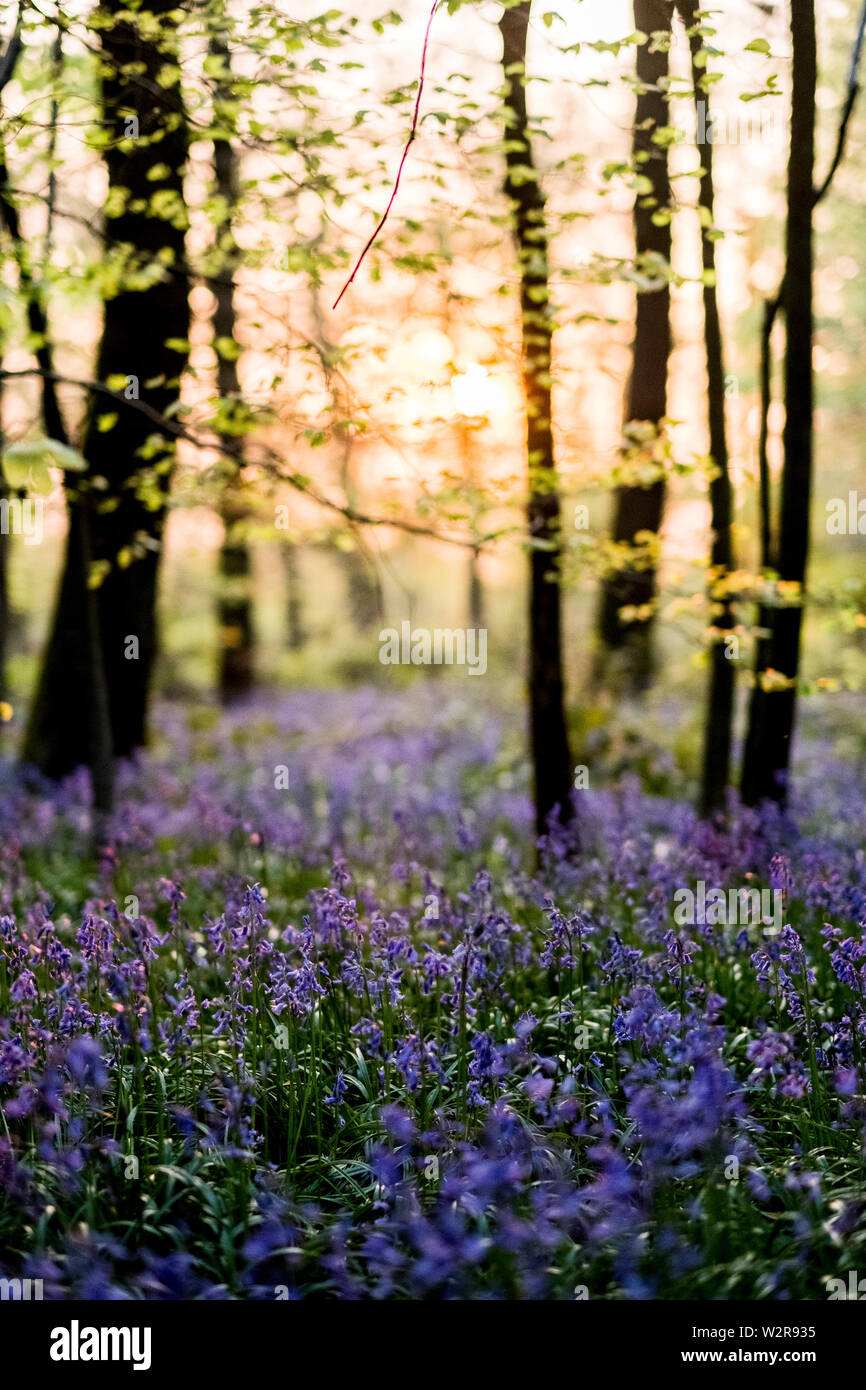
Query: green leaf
[25,464]
[26,477]
[18,460]
[65,457]
[228,349]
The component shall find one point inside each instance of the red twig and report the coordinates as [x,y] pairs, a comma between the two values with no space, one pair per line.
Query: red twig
[409,143]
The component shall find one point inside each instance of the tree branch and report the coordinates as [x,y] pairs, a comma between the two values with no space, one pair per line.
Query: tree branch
[412,134]
[772,306]
[272,460]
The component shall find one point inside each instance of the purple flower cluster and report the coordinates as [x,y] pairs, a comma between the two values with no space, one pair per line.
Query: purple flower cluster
[347,1041]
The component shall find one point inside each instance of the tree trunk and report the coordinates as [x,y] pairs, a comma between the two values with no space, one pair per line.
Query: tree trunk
[638,508]
[551,760]
[773,705]
[477,618]
[293,610]
[720,705]
[235,604]
[125,496]
[10,58]
[4,578]
[295,632]
[475,587]
[95,726]
[366,600]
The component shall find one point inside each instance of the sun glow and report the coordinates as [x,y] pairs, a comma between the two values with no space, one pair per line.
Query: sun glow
[476,394]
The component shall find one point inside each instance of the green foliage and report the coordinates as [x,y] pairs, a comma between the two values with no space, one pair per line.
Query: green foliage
[26,464]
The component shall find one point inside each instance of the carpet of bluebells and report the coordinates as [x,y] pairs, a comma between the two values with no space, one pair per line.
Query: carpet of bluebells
[315,1024]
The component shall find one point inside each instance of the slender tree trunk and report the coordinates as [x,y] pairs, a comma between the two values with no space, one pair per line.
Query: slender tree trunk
[4,575]
[124,494]
[365,595]
[720,705]
[9,60]
[476,587]
[477,618]
[235,604]
[95,730]
[366,600]
[101,748]
[37,321]
[768,546]
[640,509]
[773,705]
[295,634]
[550,754]
[765,507]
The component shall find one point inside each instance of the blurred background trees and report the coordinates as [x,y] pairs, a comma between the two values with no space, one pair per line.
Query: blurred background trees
[540,407]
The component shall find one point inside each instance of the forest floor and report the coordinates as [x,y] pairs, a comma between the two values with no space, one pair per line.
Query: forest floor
[316,1025]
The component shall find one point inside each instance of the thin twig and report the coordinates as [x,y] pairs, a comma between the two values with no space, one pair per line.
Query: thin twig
[848,109]
[412,134]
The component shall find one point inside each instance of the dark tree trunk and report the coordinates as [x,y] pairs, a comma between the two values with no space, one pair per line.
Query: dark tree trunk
[551,760]
[101,751]
[37,321]
[636,508]
[295,633]
[4,583]
[96,730]
[366,600]
[477,618]
[10,58]
[235,604]
[773,705]
[720,705]
[125,513]
[235,607]
[475,586]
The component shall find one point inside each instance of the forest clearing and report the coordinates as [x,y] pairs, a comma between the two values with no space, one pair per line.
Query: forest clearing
[432,655]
